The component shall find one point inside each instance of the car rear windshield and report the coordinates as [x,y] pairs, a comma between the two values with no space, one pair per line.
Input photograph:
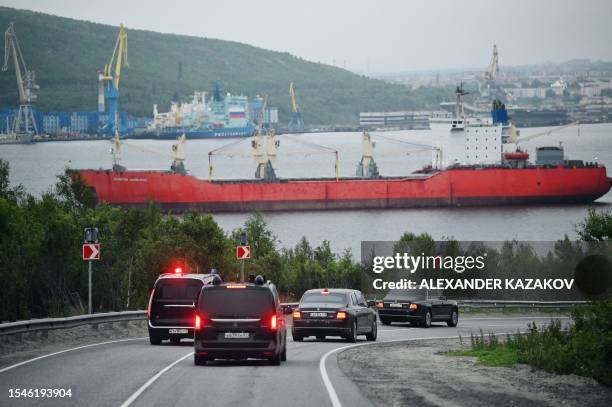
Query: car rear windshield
[319,297]
[236,303]
[178,289]
[407,294]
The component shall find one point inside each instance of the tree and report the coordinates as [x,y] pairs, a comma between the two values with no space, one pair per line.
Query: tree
[596,226]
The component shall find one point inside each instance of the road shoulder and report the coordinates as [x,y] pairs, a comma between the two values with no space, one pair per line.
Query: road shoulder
[417,373]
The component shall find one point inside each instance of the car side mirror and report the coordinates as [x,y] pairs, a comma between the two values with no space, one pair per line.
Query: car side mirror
[371,303]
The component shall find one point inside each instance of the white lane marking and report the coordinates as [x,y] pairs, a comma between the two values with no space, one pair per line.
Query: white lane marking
[521,318]
[333,396]
[67,350]
[152,380]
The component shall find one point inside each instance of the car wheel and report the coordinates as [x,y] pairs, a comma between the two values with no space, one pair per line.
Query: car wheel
[175,341]
[352,336]
[296,337]
[454,320]
[199,360]
[373,333]
[385,321]
[427,319]
[155,340]
[276,360]
[284,353]
[321,337]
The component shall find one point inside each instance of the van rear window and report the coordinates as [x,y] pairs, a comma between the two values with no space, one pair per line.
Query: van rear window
[236,303]
[178,289]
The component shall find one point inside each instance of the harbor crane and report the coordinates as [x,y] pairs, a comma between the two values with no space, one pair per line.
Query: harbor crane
[24,124]
[111,77]
[493,68]
[296,124]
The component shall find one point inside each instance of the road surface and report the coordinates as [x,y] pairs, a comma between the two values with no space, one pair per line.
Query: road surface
[132,372]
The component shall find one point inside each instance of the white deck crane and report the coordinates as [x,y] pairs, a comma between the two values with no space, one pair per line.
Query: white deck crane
[24,123]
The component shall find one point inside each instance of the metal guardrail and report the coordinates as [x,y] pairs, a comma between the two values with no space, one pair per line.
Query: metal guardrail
[44,324]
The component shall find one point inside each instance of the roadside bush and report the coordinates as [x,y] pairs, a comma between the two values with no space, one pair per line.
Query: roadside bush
[584,348]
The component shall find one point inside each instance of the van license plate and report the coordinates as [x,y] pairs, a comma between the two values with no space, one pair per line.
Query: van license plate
[318,314]
[395,305]
[236,335]
[177,331]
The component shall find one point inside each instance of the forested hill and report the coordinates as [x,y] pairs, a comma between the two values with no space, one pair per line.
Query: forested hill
[66,55]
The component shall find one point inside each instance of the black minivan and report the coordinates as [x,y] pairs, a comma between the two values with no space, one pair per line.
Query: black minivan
[239,321]
[170,312]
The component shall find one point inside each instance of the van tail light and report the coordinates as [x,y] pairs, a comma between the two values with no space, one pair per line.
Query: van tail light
[150,301]
[412,307]
[273,323]
[380,304]
[198,322]
[297,314]
[340,315]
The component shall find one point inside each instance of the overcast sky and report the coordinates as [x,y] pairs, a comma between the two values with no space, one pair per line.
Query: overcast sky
[373,35]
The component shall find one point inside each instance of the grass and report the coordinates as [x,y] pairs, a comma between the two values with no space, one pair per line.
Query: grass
[500,356]
[583,348]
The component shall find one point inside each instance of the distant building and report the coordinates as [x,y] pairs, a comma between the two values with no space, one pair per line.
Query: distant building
[526,93]
[559,86]
[403,120]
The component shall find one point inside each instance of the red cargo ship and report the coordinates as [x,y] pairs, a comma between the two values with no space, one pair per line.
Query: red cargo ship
[450,187]
[485,176]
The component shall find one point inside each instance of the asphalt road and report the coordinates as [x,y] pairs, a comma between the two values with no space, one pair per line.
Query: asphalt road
[132,372]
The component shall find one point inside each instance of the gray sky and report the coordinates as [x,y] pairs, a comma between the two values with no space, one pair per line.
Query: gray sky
[374,35]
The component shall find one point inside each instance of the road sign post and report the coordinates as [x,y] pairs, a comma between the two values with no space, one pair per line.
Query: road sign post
[243,252]
[91,251]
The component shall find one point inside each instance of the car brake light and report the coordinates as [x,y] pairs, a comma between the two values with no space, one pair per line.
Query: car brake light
[236,286]
[150,301]
[297,314]
[198,322]
[273,324]
[325,291]
[413,306]
[178,270]
[380,304]
[341,315]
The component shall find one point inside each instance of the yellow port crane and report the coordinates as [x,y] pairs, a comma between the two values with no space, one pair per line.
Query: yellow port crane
[24,123]
[112,78]
[296,124]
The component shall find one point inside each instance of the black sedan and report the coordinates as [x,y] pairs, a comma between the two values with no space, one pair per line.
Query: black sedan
[419,307]
[333,312]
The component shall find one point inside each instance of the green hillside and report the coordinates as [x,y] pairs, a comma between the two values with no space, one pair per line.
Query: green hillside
[66,55]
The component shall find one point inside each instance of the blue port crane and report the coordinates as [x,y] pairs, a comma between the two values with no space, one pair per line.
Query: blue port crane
[112,78]
[296,124]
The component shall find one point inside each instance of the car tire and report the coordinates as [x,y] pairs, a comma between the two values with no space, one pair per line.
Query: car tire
[155,340]
[297,338]
[427,320]
[373,333]
[276,360]
[175,341]
[321,337]
[199,360]
[352,336]
[284,353]
[385,321]
[454,319]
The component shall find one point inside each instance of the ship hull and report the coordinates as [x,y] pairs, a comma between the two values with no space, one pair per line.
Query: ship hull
[449,188]
[172,134]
